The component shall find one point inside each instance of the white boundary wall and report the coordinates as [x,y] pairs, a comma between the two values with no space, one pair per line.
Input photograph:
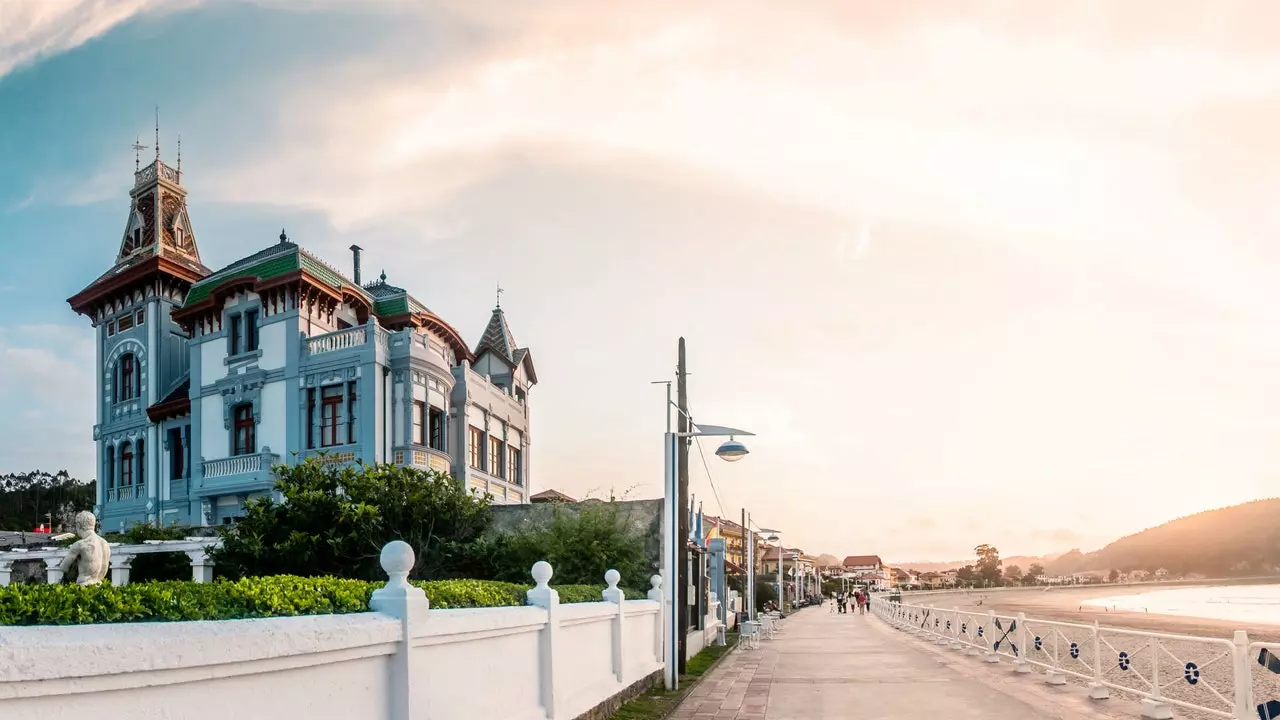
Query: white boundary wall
[403,662]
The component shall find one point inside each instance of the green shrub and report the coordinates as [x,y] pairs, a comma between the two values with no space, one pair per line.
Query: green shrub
[335,520]
[580,546]
[276,596]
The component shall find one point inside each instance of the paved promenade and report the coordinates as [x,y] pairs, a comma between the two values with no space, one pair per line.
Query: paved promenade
[823,666]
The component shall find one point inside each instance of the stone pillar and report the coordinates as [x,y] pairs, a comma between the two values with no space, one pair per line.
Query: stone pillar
[543,596]
[660,625]
[53,574]
[614,595]
[120,565]
[201,566]
[6,572]
[408,603]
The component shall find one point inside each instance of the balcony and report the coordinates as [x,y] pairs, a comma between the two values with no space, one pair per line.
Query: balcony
[347,338]
[420,456]
[239,465]
[126,493]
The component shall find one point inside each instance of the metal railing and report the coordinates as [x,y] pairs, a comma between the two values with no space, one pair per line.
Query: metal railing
[1214,676]
[239,464]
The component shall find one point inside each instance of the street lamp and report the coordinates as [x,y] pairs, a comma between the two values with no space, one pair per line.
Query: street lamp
[732,451]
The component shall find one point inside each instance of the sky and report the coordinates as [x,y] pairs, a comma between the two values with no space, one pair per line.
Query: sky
[973,272]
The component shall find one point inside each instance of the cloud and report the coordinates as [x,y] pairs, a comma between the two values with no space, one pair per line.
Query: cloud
[34,29]
[1065,148]
[48,381]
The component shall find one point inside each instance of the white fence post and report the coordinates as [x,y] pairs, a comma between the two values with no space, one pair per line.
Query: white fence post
[202,565]
[1097,690]
[120,565]
[545,597]
[408,603]
[1022,665]
[614,595]
[659,626]
[1244,705]
[53,573]
[1154,707]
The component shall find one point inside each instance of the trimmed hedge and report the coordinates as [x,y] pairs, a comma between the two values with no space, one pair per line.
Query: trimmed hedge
[275,596]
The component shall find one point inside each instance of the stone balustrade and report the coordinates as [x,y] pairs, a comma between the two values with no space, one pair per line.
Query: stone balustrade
[122,556]
[404,660]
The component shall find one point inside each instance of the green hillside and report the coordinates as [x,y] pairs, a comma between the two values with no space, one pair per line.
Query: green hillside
[1239,540]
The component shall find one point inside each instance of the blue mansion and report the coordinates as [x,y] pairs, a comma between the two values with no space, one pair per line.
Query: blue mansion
[206,379]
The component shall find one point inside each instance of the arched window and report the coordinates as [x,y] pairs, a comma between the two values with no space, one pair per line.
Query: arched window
[245,440]
[126,465]
[110,469]
[127,378]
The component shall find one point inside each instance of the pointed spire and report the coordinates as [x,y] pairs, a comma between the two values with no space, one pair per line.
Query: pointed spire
[179,157]
[500,291]
[157,132]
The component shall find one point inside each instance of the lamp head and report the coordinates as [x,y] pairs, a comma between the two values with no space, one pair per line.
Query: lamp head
[732,450]
[772,538]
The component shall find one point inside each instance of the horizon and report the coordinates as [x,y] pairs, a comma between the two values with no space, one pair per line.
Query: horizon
[989,272]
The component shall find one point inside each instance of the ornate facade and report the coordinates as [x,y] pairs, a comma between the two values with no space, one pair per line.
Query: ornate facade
[208,379]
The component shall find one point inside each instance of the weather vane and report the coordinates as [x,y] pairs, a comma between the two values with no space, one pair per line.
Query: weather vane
[138,147]
[500,291]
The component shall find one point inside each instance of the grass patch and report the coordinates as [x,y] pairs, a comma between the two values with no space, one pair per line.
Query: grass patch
[657,703]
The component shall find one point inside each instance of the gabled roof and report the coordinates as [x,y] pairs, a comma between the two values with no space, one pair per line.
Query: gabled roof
[854,560]
[498,339]
[276,261]
[550,496]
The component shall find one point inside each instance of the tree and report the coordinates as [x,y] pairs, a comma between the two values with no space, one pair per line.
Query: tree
[965,576]
[1033,575]
[29,499]
[1114,576]
[581,546]
[988,565]
[1013,573]
[335,521]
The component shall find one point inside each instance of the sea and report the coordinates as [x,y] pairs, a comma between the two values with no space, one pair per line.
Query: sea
[1239,603]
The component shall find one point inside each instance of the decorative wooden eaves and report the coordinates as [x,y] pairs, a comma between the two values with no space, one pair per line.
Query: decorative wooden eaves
[152,273]
[430,321]
[298,289]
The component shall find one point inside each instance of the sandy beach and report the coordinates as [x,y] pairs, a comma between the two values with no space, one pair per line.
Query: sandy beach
[1067,604]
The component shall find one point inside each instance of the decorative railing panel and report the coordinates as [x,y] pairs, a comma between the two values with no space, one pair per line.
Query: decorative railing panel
[239,465]
[341,340]
[1211,676]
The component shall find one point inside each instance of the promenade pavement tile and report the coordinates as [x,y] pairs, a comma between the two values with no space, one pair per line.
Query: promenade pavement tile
[825,666]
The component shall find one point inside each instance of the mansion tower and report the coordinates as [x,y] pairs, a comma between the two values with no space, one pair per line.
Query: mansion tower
[207,379]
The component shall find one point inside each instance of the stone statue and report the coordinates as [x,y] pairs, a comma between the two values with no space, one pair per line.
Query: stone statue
[93,553]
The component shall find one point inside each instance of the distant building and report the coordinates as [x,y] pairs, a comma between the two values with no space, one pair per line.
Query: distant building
[734,540]
[550,496]
[869,570]
[205,379]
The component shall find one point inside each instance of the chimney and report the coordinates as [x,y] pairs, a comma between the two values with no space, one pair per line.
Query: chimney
[355,262]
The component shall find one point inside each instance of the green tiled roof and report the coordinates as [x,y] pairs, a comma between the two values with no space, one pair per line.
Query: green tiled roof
[394,306]
[265,269]
[277,260]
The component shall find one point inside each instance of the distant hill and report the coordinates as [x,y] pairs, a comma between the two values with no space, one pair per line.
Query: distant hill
[1024,562]
[1237,540]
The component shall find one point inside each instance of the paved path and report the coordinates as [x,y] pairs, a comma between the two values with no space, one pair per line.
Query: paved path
[823,666]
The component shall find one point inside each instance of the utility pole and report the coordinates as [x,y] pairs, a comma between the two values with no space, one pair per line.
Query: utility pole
[682,484]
